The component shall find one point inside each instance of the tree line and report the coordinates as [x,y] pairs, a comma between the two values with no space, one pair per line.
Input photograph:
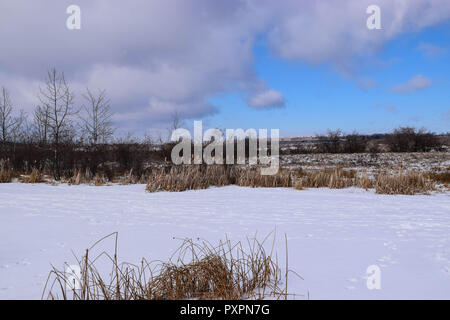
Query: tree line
[402,139]
[61,137]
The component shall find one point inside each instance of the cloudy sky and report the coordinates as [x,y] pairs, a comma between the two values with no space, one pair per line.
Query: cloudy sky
[301,66]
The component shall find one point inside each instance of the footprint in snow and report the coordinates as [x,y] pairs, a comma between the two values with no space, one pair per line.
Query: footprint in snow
[350,288]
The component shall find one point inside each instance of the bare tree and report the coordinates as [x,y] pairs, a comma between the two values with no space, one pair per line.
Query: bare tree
[41,121]
[58,108]
[9,125]
[175,123]
[97,123]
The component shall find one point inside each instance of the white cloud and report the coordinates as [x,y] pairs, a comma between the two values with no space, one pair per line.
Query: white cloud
[416,83]
[267,99]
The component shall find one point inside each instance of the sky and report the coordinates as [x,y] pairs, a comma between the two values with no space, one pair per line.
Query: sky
[296,65]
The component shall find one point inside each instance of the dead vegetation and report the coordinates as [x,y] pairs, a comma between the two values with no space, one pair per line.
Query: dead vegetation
[334,179]
[440,177]
[197,270]
[389,180]
[181,178]
[34,177]
[5,174]
[407,183]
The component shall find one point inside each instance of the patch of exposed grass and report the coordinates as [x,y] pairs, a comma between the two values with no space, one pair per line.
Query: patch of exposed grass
[181,178]
[439,177]
[5,175]
[329,178]
[197,270]
[408,183]
[34,177]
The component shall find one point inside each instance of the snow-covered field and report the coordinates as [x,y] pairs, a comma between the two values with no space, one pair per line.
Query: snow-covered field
[333,235]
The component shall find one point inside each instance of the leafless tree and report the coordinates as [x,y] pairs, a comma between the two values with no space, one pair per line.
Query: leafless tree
[175,123]
[9,124]
[58,109]
[96,122]
[41,121]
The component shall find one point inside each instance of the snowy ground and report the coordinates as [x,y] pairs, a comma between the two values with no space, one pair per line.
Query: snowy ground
[333,235]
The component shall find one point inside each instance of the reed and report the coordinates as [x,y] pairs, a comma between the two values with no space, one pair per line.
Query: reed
[197,270]
[35,176]
[407,183]
[5,175]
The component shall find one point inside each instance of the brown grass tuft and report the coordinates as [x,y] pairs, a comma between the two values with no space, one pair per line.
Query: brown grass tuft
[5,175]
[99,179]
[34,177]
[198,270]
[439,177]
[403,183]
[181,178]
[129,178]
[329,178]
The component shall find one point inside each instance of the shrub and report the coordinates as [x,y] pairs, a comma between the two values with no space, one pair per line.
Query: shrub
[407,139]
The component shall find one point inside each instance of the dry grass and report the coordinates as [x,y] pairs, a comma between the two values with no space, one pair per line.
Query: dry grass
[81,177]
[181,178]
[439,177]
[129,178]
[34,177]
[408,183]
[335,179]
[198,270]
[364,182]
[99,180]
[5,175]
[253,178]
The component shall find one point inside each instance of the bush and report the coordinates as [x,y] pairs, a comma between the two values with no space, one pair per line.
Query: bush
[407,139]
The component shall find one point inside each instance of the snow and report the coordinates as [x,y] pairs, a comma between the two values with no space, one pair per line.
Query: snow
[333,235]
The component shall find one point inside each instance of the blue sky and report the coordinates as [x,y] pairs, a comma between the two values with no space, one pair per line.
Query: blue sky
[320,97]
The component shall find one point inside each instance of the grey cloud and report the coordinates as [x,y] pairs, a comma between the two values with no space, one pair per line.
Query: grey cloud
[416,83]
[267,99]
